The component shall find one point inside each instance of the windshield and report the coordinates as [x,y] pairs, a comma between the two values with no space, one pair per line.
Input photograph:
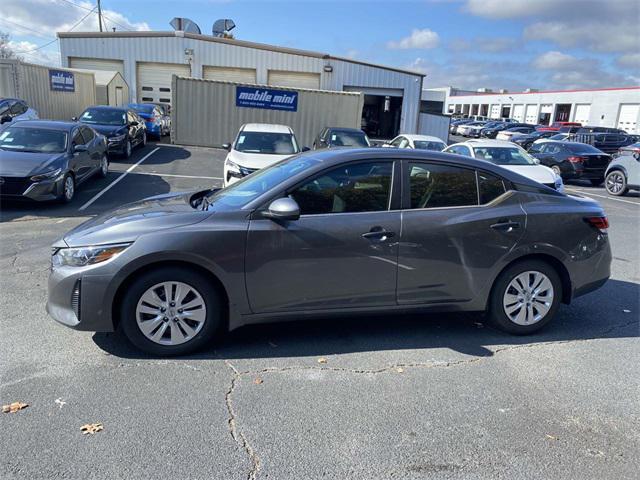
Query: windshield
[427,145]
[269,143]
[251,187]
[349,139]
[38,140]
[504,155]
[559,136]
[103,116]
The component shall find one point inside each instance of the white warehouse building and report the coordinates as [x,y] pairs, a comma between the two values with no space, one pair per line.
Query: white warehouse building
[147,61]
[603,107]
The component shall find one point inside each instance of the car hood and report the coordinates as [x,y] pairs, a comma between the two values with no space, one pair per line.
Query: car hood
[25,164]
[130,221]
[538,173]
[107,130]
[254,160]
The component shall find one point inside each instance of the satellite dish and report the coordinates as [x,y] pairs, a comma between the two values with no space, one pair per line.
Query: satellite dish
[222,26]
[186,25]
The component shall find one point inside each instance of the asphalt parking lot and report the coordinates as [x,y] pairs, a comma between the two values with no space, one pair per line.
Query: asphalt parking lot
[413,397]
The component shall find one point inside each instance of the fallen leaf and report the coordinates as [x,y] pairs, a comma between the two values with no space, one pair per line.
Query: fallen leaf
[91,428]
[60,402]
[322,360]
[400,370]
[258,381]
[551,437]
[14,407]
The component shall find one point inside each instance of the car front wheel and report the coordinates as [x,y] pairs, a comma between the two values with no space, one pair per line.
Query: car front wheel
[104,167]
[68,188]
[171,311]
[525,297]
[616,183]
[127,149]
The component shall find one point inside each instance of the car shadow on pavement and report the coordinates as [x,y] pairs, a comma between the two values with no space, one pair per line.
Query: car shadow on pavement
[166,154]
[611,312]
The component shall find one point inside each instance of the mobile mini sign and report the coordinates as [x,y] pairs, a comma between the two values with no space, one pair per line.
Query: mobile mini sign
[267,98]
[61,81]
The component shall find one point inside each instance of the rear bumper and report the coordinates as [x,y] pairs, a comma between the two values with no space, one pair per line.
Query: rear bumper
[591,267]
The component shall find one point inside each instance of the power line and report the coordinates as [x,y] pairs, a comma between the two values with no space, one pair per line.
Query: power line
[24,27]
[103,15]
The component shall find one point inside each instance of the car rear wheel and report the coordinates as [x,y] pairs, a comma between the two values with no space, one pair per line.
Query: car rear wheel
[556,170]
[596,182]
[171,311]
[525,297]
[616,183]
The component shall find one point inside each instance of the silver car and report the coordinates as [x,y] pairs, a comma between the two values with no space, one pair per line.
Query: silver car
[331,232]
[623,173]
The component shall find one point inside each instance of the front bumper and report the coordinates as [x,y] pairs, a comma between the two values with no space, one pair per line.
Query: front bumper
[25,189]
[117,146]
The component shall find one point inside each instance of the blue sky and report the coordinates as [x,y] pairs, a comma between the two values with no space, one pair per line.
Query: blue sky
[467,43]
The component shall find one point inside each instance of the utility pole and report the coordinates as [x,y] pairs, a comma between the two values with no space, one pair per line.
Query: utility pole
[100,15]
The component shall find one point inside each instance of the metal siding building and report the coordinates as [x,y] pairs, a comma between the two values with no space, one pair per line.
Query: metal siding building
[31,83]
[133,50]
[604,107]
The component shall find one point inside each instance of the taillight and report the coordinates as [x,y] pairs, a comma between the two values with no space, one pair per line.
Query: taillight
[576,159]
[152,119]
[601,223]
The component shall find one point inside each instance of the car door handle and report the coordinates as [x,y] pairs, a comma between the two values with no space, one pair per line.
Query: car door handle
[378,233]
[506,226]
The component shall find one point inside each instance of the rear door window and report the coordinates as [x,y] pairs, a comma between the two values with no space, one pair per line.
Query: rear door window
[439,186]
[490,187]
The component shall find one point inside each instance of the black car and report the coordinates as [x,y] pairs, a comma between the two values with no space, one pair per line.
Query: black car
[608,142]
[47,160]
[123,128]
[525,141]
[493,131]
[572,160]
[589,129]
[569,129]
[331,137]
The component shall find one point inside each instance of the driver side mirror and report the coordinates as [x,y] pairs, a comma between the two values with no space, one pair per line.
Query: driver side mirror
[536,160]
[74,119]
[80,148]
[226,146]
[285,208]
[5,119]
[305,149]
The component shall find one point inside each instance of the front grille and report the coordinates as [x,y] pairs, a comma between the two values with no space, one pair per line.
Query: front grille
[75,299]
[13,185]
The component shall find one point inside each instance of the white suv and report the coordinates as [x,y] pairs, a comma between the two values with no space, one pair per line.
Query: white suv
[509,156]
[256,146]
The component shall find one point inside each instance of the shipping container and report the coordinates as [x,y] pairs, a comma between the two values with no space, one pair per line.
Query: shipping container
[209,113]
[55,93]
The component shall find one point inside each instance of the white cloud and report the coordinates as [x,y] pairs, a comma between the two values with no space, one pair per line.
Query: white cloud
[485,44]
[555,60]
[630,60]
[621,36]
[419,39]
[28,52]
[498,9]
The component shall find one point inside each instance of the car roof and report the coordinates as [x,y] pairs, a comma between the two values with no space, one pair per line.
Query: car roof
[345,129]
[50,124]
[265,127]
[426,138]
[108,107]
[486,143]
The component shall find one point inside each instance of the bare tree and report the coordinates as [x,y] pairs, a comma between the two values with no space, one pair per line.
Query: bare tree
[5,50]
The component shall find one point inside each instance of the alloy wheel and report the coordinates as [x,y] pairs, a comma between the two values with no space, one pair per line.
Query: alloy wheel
[128,149]
[556,170]
[528,298]
[171,313]
[69,188]
[104,166]
[615,183]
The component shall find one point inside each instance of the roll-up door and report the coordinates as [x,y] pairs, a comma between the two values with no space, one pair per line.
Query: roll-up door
[531,114]
[154,80]
[518,113]
[229,74]
[97,64]
[294,79]
[495,111]
[628,118]
[582,114]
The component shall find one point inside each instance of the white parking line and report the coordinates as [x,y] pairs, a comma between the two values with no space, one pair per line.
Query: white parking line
[124,174]
[178,176]
[588,194]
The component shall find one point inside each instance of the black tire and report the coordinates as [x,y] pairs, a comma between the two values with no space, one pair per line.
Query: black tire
[556,170]
[143,142]
[596,182]
[128,149]
[213,321]
[65,195]
[497,314]
[616,183]
[102,172]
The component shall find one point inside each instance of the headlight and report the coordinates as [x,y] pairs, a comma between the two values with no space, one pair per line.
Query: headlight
[83,256]
[46,176]
[234,167]
[117,138]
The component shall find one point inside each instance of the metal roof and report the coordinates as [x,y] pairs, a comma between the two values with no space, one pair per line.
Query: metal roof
[231,41]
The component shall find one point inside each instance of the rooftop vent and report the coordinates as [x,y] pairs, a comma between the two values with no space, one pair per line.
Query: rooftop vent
[185,25]
[503,90]
[484,90]
[531,90]
[222,27]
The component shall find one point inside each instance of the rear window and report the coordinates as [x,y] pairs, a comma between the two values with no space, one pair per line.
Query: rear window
[348,139]
[428,145]
[581,148]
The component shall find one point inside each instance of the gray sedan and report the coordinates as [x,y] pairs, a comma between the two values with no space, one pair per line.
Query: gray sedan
[326,233]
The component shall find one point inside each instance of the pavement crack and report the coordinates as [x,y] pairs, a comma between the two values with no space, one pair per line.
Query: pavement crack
[234,431]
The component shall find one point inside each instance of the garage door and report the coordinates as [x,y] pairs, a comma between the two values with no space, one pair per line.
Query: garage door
[227,74]
[294,79]
[518,112]
[154,80]
[495,111]
[97,64]
[531,114]
[628,118]
[582,114]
